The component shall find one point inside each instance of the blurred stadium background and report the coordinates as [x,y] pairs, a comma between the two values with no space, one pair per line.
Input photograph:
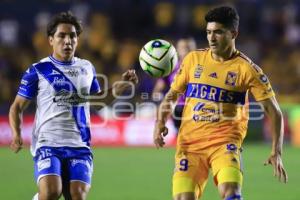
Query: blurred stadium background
[114,31]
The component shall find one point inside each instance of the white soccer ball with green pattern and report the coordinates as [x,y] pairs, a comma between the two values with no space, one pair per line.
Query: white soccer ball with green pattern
[158,58]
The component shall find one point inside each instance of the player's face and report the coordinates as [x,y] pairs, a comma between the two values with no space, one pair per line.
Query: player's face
[184,46]
[220,39]
[64,42]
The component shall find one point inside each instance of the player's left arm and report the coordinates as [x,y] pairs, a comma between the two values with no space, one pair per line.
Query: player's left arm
[260,87]
[105,97]
[273,111]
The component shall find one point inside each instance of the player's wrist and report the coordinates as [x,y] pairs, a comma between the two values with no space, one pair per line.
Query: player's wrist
[276,152]
[160,121]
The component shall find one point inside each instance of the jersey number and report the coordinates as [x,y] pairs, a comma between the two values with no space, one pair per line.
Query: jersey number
[183,164]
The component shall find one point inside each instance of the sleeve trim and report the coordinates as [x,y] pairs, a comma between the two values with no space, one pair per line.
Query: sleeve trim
[25,96]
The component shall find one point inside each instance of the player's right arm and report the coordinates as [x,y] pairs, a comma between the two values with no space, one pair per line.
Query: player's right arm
[15,119]
[164,110]
[178,87]
[27,90]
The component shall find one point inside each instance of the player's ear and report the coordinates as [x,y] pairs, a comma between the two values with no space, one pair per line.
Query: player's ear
[50,40]
[234,34]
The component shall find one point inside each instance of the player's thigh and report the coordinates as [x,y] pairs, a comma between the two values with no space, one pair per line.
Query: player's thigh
[79,190]
[50,186]
[226,164]
[190,176]
[186,196]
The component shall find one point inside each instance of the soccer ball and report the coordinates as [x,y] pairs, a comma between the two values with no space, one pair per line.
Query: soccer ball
[158,58]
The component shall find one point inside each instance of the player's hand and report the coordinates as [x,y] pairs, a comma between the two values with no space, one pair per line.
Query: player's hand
[129,79]
[160,131]
[279,171]
[16,144]
[130,76]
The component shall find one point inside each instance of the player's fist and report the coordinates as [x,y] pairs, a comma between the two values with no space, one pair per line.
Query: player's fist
[16,144]
[160,131]
[129,79]
[130,76]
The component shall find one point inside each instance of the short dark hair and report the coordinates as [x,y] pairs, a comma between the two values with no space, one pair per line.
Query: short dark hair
[63,18]
[225,15]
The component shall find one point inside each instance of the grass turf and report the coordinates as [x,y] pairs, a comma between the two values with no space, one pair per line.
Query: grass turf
[145,174]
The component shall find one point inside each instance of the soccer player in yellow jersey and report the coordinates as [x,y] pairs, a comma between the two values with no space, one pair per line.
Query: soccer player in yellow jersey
[216,82]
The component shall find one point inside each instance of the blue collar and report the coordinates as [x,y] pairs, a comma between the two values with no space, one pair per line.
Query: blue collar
[62,62]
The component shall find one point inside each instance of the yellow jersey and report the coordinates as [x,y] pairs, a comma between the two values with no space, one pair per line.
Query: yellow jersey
[216,98]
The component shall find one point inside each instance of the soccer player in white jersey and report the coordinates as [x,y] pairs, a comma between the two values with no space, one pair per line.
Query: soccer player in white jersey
[61,84]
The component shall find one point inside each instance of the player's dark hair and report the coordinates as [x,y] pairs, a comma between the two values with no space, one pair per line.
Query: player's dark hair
[63,18]
[225,15]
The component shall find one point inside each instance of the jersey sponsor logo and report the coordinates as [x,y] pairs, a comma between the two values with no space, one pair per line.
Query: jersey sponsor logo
[198,71]
[59,81]
[66,98]
[213,75]
[83,71]
[231,147]
[215,94]
[211,110]
[210,118]
[212,115]
[22,88]
[199,106]
[78,161]
[24,82]
[231,79]
[43,164]
[54,72]
[264,79]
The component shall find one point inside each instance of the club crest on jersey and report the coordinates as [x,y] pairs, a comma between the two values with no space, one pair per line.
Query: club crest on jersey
[73,73]
[198,71]
[231,79]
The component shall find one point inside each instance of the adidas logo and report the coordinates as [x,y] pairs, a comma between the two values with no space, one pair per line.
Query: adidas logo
[54,72]
[213,75]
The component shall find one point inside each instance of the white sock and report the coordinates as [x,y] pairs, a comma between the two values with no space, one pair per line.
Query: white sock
[36,196]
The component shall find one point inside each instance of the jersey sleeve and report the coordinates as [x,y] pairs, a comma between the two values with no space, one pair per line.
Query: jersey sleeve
[29,84]
[181,78]
[95,86]
[259,84]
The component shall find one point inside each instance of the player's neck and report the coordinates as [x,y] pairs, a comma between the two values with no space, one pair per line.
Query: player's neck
[61,59]
[224,56]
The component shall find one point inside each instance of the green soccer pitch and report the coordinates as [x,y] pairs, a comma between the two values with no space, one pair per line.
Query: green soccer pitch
[145,174]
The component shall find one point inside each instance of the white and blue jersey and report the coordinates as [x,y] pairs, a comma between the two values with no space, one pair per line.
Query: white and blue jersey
[62,116]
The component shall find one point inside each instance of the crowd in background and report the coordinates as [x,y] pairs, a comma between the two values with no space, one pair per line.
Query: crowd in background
[115,31]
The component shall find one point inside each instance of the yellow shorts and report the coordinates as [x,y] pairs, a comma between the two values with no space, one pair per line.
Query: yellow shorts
[192,169]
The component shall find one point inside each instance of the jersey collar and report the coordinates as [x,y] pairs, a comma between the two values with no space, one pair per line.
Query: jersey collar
[62,62]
